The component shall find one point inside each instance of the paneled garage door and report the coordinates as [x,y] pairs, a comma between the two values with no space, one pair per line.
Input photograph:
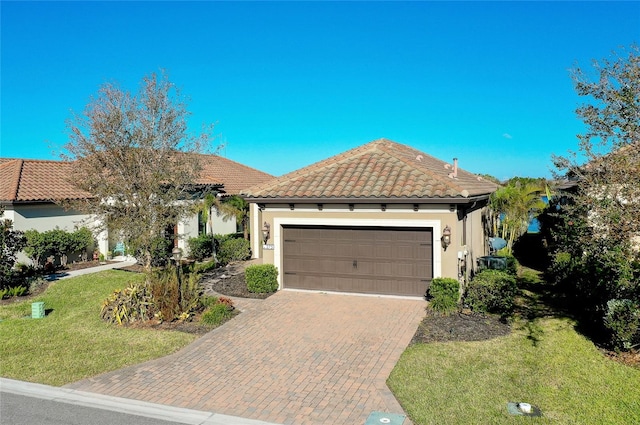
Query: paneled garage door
[373,260]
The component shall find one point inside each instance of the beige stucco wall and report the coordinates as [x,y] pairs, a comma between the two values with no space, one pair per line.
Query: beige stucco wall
[446,262]
[465,248]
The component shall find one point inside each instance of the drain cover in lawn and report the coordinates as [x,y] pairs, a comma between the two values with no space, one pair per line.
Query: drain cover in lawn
[515,409]
[378,418]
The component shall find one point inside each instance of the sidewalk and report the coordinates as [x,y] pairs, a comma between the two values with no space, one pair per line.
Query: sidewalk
[123,262]
[123,405]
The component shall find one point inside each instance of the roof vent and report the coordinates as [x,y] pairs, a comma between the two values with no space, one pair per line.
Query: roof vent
[454,173]
[419,158]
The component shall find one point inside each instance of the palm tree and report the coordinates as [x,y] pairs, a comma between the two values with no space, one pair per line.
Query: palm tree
[515,205]
[233,206]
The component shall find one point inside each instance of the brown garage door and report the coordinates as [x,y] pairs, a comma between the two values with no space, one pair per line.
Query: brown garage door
[374,260]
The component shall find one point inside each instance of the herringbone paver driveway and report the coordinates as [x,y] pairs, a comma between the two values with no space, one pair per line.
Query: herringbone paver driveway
[294,358]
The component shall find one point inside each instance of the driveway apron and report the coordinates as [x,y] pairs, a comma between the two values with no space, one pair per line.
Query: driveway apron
[294,358]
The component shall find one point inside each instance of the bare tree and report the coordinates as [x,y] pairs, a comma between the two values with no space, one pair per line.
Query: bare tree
[134,156]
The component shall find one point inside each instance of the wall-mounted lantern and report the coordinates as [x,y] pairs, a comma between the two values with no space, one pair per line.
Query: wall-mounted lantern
[266,230]
[446,237]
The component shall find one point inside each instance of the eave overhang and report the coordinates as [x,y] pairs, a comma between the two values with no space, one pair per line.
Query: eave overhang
[368,200]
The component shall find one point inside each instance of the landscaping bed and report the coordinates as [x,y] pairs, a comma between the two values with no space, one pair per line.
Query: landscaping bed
[461,326]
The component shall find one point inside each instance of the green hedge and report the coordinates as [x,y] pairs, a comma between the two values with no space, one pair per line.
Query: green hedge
[492,291]
[201,247]
[444,293]
[622,319]
[262,278]
[233,249]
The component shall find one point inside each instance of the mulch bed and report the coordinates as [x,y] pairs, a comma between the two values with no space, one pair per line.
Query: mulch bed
[459,326]
[232,285]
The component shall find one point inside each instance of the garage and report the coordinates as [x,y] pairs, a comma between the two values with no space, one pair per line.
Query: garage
[370,260]
[381,218]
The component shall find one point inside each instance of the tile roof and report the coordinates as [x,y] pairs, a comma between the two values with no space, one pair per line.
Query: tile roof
[25,180]
[380,169]
[234,176]
[36,180]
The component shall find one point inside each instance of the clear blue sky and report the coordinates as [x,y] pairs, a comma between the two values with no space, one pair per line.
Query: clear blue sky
[292,83]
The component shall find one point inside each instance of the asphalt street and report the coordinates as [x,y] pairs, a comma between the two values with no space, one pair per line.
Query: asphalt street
[25,403]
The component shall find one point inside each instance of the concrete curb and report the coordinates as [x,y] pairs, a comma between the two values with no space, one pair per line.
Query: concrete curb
[122,405]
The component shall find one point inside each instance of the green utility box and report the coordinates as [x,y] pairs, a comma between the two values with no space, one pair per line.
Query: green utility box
[37,310]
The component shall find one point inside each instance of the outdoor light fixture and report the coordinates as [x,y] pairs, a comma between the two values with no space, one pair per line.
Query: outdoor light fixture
[177,254]
[265,232]
[446,237]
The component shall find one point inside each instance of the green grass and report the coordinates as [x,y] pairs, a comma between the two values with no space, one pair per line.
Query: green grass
[72,342]
[544,362]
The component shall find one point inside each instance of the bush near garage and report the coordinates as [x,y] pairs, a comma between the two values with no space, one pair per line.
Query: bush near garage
[492,291]
[262,278]
[444,293]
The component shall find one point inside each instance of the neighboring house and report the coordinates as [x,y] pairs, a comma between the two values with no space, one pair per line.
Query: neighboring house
[28,189]
[382,218]
[31,192]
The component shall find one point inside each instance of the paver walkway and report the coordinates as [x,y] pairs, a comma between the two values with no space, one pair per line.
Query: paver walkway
[294,358]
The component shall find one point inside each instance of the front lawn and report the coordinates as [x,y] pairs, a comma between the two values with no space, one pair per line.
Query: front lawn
[72,342]
[544,362]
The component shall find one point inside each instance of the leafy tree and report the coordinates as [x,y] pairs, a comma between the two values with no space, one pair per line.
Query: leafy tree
[36,247]
[490,178]
[135,158]
[240,209]
[595,228]
[11,242]
[515,204]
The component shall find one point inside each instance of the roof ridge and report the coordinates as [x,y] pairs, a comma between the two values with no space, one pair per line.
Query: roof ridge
[235,162]
[311,168]
[8,160]
[448,181]
[18,178]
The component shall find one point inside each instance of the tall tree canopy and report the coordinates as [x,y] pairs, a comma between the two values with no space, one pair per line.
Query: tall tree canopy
[607,165]
[595,228]
[132,154]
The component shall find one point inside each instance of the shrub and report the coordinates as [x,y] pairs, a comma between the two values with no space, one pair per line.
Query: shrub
[17,291]
[205,267]
[160,251]
[444,293]
[512,264]
[58,242]
[4,293]
[208,301]
[162,296]
[127,305]
[261,278]
[35,283]
[172,297]
[234,249]
[216,314]
[622,319]
[201,247]
[492,291]
[11,242]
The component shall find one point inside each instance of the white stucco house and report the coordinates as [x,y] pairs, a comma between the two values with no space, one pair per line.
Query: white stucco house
[31,192]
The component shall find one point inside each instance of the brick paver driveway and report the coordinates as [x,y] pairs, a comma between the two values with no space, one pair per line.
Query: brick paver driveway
[294,358]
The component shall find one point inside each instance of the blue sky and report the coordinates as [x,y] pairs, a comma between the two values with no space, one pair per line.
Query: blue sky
[288,84]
